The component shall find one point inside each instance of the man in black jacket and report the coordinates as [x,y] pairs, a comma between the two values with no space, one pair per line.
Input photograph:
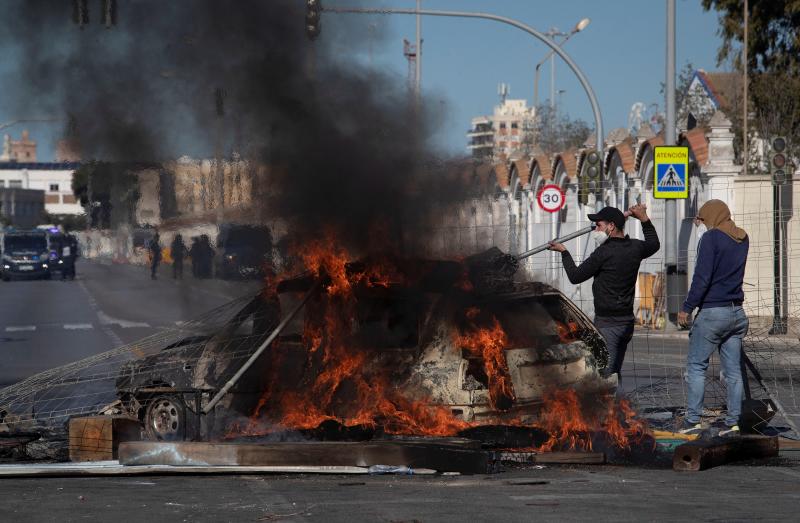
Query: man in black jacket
[614,264]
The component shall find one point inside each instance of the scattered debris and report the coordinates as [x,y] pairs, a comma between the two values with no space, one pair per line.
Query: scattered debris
[571,457]
[420,453]
[97,438]
[705,454]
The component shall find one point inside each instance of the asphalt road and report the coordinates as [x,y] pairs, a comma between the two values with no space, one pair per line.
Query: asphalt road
[765,491]
[44,324]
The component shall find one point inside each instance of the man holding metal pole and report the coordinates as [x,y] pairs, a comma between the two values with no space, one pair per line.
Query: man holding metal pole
[614,265]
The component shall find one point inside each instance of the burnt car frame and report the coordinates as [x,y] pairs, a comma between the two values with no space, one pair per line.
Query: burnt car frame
[405,328]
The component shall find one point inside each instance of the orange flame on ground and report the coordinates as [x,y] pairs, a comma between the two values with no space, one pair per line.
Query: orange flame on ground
[571,422]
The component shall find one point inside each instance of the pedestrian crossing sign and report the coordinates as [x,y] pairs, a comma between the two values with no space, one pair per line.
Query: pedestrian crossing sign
[671,172]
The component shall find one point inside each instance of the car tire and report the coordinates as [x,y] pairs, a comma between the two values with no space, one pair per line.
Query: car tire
[165,419]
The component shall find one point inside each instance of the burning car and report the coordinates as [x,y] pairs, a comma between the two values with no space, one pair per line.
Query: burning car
[410,347]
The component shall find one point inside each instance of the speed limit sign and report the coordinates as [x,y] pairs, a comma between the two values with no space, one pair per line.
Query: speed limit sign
[551,198]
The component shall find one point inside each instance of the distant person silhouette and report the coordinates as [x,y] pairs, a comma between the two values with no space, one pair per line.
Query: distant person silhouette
[178,251]
[155,255]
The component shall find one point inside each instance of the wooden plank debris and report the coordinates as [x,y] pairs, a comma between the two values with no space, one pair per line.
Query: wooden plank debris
[415,454]
[114,468]
[97,438]
[705,454]
[571,457]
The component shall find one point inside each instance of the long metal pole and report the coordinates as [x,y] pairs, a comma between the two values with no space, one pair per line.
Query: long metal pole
[671,214]
[282,325]
[745,141]
[598,117]
[418,72]
[568,237]
[552,82]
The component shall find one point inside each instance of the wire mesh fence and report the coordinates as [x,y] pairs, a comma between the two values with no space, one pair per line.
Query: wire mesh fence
[653,375]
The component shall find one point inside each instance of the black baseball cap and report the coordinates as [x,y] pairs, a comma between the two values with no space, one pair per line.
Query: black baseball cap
[610,214]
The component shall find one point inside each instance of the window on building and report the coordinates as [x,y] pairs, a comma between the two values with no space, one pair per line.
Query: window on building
[15,184]
[53,187]
[502,125]
[514,125]
[2,183]
[27,155]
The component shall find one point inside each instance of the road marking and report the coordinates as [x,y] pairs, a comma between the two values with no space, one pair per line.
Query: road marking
[116,340]
[18,328]
[105,319]
[78,326]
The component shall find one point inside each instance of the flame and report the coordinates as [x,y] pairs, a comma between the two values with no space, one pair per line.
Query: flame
[572,421]
[488,344]
[567,332]
[346,388]
[348,384]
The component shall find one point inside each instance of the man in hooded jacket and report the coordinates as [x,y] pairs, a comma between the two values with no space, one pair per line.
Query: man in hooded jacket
[721,322]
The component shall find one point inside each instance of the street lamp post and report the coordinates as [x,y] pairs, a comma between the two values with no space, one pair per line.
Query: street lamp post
[580,26]
[598,117]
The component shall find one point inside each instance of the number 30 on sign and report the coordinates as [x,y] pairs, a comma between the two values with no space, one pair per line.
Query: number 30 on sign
[551,198]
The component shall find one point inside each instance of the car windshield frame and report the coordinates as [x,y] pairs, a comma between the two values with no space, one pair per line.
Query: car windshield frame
[24,243]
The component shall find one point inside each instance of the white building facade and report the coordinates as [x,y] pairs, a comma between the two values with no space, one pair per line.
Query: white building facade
[55,179]
[502,134]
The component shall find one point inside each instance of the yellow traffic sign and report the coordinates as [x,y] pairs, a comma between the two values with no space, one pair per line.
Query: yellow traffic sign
[671,176]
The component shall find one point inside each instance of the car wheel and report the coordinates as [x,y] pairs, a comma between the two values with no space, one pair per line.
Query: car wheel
[165,419]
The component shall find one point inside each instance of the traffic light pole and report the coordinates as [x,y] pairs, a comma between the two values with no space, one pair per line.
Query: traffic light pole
[598,118]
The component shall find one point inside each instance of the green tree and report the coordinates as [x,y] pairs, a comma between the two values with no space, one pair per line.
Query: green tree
[554,132]
[773,38]
[773,64]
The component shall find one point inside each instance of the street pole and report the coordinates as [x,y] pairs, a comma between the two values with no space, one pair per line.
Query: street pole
[580,26]
[745,142]
[418,63]
[671,208]
[553,81]
[598,117]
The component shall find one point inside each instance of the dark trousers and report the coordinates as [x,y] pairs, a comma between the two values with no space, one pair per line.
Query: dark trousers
[154,267]
[177,268]
[618,332]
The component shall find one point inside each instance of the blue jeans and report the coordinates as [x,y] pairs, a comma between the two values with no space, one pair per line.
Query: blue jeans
[617,332]
[716,328]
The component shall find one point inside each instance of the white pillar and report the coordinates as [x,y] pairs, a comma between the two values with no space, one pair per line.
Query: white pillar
[721,169]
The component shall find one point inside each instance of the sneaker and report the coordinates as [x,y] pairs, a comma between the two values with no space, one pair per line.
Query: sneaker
[690,429]
[729,432]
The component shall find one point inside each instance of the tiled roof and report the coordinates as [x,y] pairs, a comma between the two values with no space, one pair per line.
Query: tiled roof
[523,172]
[723,87]
[545,168]
[502,175]
[696,139]
[626,155]
[567,158]
[655,141]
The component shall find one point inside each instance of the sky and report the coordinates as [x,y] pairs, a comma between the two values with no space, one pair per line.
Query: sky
[621,52]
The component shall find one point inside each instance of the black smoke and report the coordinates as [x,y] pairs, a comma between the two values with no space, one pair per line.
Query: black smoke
[343,148]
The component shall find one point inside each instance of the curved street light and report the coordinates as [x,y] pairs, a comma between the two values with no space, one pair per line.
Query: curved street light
[580,26]
[598,117]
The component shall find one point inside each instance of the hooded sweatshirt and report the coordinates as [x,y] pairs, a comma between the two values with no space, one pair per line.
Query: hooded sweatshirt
[721,259]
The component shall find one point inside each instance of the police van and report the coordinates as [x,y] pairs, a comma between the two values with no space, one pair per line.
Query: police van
[25,254]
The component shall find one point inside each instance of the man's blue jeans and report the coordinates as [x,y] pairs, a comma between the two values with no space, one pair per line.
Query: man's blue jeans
[716,328]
